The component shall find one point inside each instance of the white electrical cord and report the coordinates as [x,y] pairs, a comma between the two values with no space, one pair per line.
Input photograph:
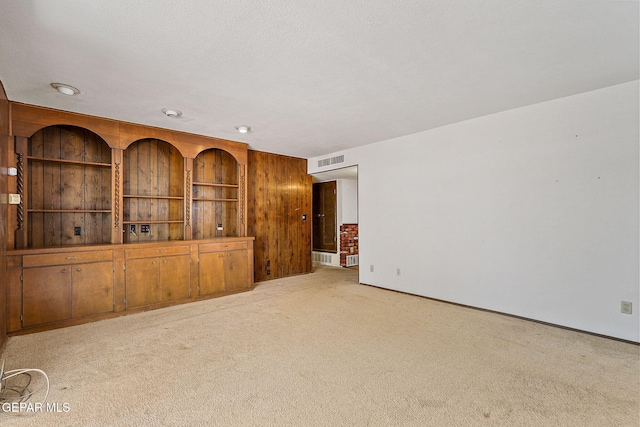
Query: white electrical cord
[22,393]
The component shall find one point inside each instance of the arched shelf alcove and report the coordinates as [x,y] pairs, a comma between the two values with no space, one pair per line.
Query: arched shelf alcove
[216,195]
[66,188]
[152,192]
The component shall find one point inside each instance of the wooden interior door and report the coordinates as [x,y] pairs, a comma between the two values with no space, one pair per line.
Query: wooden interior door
[324,217]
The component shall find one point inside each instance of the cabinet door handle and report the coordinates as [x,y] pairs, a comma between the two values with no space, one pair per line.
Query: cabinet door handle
[154,262]
[72,257]
[165,261]
[64,270]
[159,251]
[79,269]
[228,254]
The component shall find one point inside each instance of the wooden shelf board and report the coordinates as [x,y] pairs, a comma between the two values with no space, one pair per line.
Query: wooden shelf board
[132,196]
[208,184]
[72,162]
[69,210]
[154,221]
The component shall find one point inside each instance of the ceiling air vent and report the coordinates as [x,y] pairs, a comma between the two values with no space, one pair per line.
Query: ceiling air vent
[331,161]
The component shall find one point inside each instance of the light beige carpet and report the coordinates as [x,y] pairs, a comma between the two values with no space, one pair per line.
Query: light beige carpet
[320,349]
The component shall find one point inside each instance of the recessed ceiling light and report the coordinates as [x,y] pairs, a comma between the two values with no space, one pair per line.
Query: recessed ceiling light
[243,129]
[171,112]
[65,89]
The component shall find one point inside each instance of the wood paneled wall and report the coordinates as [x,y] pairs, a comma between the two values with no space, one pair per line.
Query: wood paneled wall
[279,194]
[4,211]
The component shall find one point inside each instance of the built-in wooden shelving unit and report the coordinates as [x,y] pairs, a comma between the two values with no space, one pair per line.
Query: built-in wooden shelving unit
[116,218]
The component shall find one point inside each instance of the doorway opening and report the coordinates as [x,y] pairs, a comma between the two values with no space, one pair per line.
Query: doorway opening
[324,216]
[343,226]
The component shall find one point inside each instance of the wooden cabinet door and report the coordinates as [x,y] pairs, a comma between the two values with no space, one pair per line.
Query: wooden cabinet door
[91,289]
[142,282]
[175,277]
[46,294]
[211,273]
[236,274]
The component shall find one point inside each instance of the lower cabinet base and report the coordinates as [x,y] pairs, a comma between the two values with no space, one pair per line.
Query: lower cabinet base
[55,288]
[103,316]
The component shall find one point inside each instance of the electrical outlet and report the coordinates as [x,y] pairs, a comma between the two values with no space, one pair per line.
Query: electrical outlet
[145,228]
[132,228]
[371,268]
[77,231]
[626,307]
[397,271]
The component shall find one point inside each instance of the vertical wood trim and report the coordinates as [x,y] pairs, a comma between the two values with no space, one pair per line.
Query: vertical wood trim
[195,270]
[188,198]
[12,187]
[117,192]
[242,201]
[14,293]
[119,284]
[23,222]
[250,260]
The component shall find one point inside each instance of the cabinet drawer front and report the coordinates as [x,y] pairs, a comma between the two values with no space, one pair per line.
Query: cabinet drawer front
[66,258]
[154,252]
[219,247]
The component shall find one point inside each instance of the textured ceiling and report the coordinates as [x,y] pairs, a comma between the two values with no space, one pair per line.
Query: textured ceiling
[312,77]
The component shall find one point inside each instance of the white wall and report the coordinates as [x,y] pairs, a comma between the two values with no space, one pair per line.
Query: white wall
[532,212]
[347,201]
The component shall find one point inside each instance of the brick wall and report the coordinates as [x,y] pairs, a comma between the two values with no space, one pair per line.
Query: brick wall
[348,242]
